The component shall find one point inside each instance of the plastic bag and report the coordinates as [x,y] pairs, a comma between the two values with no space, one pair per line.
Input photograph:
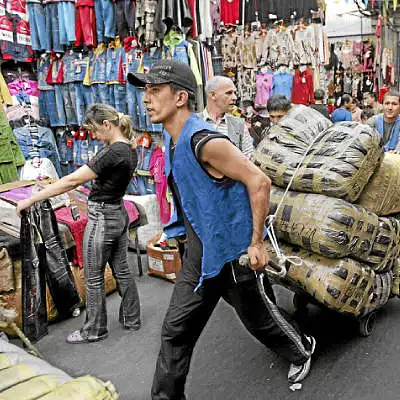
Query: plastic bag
[339,163]
[312,120]
[382,193]
[343,285]
[335,228]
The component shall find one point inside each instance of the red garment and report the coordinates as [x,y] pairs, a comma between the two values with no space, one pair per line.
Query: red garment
[230,11]
[192,6]
[303,88]
[85,25]
[384,89]
[55,74]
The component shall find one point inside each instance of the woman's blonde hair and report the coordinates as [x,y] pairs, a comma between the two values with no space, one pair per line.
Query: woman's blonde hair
[97,113]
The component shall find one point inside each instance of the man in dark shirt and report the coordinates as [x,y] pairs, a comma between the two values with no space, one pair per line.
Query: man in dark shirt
[212,181]
[319,96]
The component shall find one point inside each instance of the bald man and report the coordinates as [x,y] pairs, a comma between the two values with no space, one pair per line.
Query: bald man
[221,99]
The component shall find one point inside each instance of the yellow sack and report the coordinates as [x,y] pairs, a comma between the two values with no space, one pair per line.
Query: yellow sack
[344,285]
[4,361]
[335,228]
[339,164]
[15,374]
[83,388]
[31,389]
[382,193]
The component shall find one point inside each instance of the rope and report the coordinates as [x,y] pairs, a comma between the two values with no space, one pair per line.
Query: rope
[282,258]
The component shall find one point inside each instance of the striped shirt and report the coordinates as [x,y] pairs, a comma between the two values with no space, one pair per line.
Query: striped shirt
[242,140]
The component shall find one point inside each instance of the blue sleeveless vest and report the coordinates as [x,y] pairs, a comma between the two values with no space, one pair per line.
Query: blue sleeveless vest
[220,213]
[394,137]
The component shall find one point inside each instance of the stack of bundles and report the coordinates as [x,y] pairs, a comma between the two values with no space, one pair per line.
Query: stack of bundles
[312,120]
[344,285]
[382,194]
[338,164]
[335,228]
[349,253]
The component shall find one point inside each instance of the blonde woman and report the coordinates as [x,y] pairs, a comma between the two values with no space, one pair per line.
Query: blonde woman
[106,234]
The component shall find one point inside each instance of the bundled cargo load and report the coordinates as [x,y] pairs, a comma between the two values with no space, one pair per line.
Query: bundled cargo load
[335,228]
[312,120]
[338,164]
[382,193]
[343,285]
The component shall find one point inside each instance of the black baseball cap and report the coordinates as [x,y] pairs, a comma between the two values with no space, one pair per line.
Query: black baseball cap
[166,71]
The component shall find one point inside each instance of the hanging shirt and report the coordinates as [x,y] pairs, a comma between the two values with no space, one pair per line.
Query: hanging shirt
[283,83]
[230,11]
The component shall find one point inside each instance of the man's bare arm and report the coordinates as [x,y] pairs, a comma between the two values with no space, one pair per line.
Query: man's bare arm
[227,159]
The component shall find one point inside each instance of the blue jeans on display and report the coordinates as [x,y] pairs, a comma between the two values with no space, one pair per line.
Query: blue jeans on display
[105,19]
[106,239]
[117,97]
[59,94]
[133,187]
[48,108]
[144,156]
[66,152]
[101,93]
[69,103]
[66,14]
[37,23]
[146,185]
[81,152]
[52,28]
[94,147]
[84,98]
[136,108]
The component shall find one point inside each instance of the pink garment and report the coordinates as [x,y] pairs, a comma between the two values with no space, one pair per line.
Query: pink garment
[27,86]
[157,163]
[357,47]
[264,83]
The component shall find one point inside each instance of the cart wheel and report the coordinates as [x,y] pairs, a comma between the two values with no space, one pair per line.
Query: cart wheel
[300,303]
[366,324]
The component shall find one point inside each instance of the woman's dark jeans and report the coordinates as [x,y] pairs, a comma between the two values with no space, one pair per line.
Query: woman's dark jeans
[106,240]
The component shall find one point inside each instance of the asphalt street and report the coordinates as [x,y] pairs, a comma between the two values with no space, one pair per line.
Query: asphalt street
[228,362]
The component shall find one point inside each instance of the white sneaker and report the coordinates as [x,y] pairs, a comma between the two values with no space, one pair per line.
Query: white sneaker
[298,372]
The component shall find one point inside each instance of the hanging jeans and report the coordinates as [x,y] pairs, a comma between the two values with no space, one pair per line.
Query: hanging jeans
[37,23]
[85,26]
[48,108]
[117,97]
[81,152]
[59,94]
[52,29]
[101,93]
[125,11]
[136,108]
[65,146]
[66,14]
[145,185]
[105,19]
[106,240]
[189,311]
[69,103]
[84,98]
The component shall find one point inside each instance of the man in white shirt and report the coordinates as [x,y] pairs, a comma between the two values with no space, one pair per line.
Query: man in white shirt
[221,99]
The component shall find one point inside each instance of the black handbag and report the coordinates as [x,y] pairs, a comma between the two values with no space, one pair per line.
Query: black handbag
[34,312]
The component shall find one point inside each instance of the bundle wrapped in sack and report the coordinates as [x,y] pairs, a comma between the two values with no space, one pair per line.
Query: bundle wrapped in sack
[382,288]
[312,120]
[335,228]
[343,285]
[339,163]
[396,278]
[382,193]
